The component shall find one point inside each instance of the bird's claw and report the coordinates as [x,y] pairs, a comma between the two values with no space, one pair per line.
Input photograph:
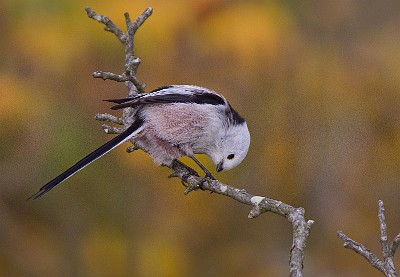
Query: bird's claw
[206,178]
[185,177]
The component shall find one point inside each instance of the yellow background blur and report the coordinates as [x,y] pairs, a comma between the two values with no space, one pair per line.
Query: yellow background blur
[317,81]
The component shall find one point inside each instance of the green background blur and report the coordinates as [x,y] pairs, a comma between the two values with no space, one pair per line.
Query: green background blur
[317,81]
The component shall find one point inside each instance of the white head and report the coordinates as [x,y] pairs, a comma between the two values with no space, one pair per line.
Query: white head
[232,147]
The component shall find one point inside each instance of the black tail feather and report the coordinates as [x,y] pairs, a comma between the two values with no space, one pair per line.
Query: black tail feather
[128,133]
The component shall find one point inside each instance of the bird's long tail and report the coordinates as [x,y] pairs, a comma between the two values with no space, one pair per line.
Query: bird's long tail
[124,136]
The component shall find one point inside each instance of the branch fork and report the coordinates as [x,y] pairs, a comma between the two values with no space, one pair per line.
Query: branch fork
[386,266]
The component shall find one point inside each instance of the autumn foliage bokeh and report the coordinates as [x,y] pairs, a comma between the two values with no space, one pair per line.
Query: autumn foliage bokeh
[318,82]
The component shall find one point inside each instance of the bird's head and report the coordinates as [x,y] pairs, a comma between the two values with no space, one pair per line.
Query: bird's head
[232,147]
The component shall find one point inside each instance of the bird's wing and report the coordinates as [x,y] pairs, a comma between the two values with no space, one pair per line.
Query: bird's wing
[233,117]
[124,136]
[171,94]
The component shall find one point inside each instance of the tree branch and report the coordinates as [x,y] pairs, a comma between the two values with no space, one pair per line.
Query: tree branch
[259,204]
[109,118]
[110,26]
[395,244]
[386,266]
[131,62]
[189,177]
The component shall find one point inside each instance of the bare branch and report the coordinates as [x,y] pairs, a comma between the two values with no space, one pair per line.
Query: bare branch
[109,118]
[362,250]
[110,26]
[140,20]
[383,230]
[131,62]
[111,130]
[395,244]
[386,266]
[189,177]
[109,76]
[259,204]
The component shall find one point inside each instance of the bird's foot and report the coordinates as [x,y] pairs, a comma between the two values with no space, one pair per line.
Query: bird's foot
[206,179]
[186,175]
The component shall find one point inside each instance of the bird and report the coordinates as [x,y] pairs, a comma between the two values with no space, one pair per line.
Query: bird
[175,121]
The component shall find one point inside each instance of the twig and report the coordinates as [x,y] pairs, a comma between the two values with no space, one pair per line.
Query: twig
[111,130]
[386,266]
[109,118]
[362,250]
[395,244]
[259,204]
[110,26]
[131,62]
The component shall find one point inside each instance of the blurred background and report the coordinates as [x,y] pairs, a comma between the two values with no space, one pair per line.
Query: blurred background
[317,81]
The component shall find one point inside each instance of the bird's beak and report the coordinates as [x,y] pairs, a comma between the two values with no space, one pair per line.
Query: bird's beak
[220,166]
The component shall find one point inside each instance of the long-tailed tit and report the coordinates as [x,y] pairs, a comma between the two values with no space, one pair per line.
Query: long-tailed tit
[175,121]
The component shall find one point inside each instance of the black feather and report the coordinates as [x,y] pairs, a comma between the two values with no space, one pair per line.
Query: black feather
[234,117]
[88,159]
[196,95]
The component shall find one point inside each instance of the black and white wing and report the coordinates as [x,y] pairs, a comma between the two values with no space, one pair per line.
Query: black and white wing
[172,94]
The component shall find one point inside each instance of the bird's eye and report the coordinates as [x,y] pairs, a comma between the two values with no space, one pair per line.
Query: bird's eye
[231,156]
